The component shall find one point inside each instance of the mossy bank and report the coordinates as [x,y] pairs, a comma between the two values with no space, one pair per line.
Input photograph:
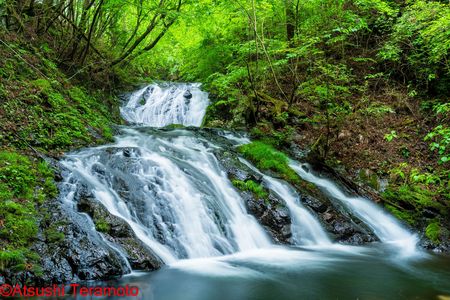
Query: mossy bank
[43,113]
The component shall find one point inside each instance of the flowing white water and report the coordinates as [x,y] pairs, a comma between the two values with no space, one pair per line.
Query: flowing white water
[172,191]
[167,185]
[306,229]
[158,105]
[385,226]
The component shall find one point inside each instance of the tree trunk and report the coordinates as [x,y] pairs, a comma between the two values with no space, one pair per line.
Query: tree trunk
[290,20]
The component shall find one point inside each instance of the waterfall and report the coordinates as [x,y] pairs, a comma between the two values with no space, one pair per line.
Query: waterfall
[168,185]
[172,191]
[158,105]
[385,226]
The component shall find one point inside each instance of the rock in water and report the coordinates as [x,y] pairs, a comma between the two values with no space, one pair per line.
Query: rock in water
[187,94]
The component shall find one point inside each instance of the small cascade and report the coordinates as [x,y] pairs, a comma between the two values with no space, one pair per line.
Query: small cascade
[306,229]
[385,226]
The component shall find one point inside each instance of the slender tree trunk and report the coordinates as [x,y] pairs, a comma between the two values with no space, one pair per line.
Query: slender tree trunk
[91,30]
[290,20]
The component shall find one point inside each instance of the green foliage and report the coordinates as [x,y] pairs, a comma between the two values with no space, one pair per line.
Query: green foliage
[266,157]
[15,175]
[251,186]
[420,42]
[265,132]
[377,110]
[390,136]
[440,142]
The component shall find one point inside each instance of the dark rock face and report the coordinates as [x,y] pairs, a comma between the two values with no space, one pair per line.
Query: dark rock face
[274,216]
[70,248]
[119,233]
[79,254]
[271,212]
[344,228]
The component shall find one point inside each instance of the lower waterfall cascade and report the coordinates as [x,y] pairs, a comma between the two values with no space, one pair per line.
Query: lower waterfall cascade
[168,185]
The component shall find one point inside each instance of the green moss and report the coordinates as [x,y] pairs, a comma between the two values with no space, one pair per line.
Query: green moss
[175,126]
[266,157]
[408,203]
[10,258]
[407,216]
[52,235]
[251,186]
[23,185]
[77,95]
[42,84]
[433,231]
[102,226]
[413,196]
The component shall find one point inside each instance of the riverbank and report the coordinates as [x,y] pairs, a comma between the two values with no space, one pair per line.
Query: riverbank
[43,114]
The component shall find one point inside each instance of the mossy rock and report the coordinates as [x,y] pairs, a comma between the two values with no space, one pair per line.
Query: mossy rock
[24,184]
[419,208]
[433,231]
[251,186]
[174,126]
[266,157]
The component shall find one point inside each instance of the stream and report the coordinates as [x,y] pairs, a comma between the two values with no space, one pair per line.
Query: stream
[168,185]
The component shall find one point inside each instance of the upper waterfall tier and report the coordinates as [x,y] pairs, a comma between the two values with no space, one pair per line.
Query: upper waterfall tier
[159,105]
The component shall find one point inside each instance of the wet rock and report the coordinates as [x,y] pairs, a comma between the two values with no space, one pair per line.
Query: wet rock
[148,92]
[343,227]
[77,254]
[119,232]
[315,204]
[187,94]
[270,212]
